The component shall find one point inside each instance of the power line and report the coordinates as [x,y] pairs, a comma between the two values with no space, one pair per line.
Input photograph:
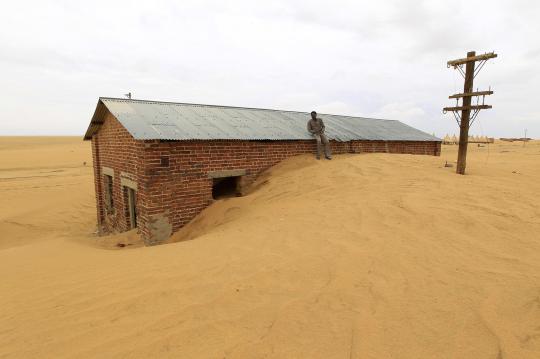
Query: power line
[466,120]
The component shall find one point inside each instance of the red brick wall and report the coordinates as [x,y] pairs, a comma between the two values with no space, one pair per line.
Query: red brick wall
[172,179]
[182,188]
[98,183]
[115,148]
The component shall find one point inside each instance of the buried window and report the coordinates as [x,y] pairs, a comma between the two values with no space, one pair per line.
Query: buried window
[109,203]
[131,207]
[226,187]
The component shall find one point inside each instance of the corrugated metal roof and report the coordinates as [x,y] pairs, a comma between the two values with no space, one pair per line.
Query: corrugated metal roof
[152,120]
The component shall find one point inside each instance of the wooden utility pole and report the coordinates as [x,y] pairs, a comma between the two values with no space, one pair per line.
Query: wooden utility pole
[464,121]
[465,116]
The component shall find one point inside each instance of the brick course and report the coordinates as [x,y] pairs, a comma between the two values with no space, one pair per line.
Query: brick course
[172,179]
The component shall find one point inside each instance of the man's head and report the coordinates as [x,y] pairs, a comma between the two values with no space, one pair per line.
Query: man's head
[313,114]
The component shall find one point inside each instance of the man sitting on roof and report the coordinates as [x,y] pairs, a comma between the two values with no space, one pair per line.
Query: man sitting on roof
[315,126]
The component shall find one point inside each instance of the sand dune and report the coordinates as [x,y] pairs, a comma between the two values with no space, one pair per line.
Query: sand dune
[365,256]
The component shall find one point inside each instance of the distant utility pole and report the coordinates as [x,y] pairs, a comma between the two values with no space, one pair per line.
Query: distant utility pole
[465,121]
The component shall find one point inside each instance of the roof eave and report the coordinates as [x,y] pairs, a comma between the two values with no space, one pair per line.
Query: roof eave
[97,120]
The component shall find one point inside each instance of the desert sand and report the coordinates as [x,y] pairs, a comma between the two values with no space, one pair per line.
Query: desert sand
[365,256]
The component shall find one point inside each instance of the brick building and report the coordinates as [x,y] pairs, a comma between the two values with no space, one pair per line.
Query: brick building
[158,164]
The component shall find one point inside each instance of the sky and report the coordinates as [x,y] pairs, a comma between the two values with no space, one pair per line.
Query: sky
[382,59]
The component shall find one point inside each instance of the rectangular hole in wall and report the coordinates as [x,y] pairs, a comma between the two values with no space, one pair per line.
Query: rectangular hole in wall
[164,161]
[109,200]
[225,187]
[131,207]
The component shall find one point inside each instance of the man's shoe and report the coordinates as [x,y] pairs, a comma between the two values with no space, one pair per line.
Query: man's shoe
[328,158]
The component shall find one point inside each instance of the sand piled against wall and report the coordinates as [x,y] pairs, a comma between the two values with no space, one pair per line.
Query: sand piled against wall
[365,256]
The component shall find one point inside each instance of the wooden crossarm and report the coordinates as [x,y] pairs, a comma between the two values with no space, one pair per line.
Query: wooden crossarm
[457,62]
[470,94]
[472,107]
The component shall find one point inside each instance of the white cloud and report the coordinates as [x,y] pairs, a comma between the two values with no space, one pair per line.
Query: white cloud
[403,111]
[384,58]
[338,107]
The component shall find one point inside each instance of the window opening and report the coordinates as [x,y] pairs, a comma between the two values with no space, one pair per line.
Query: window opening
[226,187]
[131,210]
[109,200]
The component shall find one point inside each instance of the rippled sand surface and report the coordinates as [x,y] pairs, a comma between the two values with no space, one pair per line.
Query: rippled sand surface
[364,256]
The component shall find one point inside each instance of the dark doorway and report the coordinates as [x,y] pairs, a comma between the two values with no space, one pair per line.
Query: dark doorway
[225,187]
[109,202]
[131,207]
